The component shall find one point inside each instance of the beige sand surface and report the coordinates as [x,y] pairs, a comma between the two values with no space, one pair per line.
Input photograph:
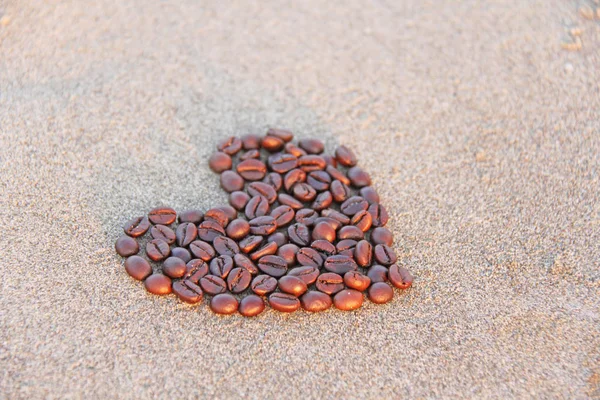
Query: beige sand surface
[481,132]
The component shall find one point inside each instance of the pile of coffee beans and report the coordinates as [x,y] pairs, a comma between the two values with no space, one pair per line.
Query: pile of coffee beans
[303,230]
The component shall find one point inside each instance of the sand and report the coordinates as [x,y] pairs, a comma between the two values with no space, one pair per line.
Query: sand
[481,132]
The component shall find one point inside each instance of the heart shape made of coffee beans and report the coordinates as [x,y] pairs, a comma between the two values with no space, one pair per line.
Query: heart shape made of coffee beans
[303,230]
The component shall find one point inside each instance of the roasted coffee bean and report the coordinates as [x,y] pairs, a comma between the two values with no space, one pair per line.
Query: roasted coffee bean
[221,266]
[195,270]
[225,246]
[188,291]
[340,264]
[231,181]
[311,146]
[138,268]
[241,261]
[238,280]
[238,200]
[263,284]
[288,200]
[337,175]
[279,238]
[353,205]
[293,177]
[307,274]
[284,302]
[209,230]
[345,156]
[193,216]
[250,141]
[382,236]
[292,285]
[282,162]
[311,163]
[202,250]
[262,189]
[173,267]
[314,301]
[162,216]
[238,229]
[273,265]
[331,213]
[322,201]
[219,162]
[249,243]
[340,191]
[217,215]
[268,249]
[359,177]
[157,250]
[356,280]
[251,306]
[385,255]
[137,226]
[127,246]
[309,257]
[230,145]
[163,232]
[378,273]
[348,300]
[272,144]
[181,252]
[213,285]
[362,220]
[400,277]
[346,247]
[350,232]
[288,253]
[324,231]
[363,253]
[224,304]
[263,226]
[186,233]
[306,216]
[380,293]
[294,150]
[379,214]
[324,247]
[250,155]
[229,211]
[369,194]
[256,207]
[330,283]
[283,215]
[335,224]
[274,180]
[252,170]
[329,160]
[158,284]
[319,180]
[304,192]
[282,134]
[299,234]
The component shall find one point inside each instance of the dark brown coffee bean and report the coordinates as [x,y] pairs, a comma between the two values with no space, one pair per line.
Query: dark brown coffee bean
[306,216]
[188,291]
[195,270]
[231,181]
[293,177]
[378,273]
[284,302]
[249,243]
[162,216]
[229,211]
[385,255]
[282,134]
[250,155]
[362,220]
[209,230]
[157,250]
[294,150]
[329,160]
[330,283]
[400,277]
[363,253]
[263,284]
[279,238]
[288,253]
[238,280]
[239,200]
[219,162]
[221,266]
[335,224]
[339,191]
[312,146]
[263,226]
[379,214]
[158,284]
[292,285]
[230,145]
[340,264]
[256,207]
[359,177]
[369,194]
[213,285]
[288,200]
[324,248]
[348,300]
[193,216]
[272,144]
[173,267]
[262,189]
[337,175]
[323,231]
[225,246]
[311,163]
[250,141]
[382,236]
[380,293]
[202,250]
[314,301]
[217,215]
[307,274]
[163,232]
[345,156]
[331,213]
[282,162]
[137,226]
[273,265]
[304,192]
[353,205]
[283,215]
[309,257]
[181,252]
[268,249]
[186,233]
[138,268]
[322,201]
[350,232]
[224,304]
[252,170]
[319,180]
[127,246]
[238,229]
[299,234]
[346,247]
[356,280]
[274,180]
[251,306]
[241,261]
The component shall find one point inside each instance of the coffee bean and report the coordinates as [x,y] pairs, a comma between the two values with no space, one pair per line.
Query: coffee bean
[346,247]
[378,273]
[288,200]
[225,246]
[127,246]
[322,201]
[311,163]
[219,162]
[250,155]
[369,194]
[380,293]
[306,216]
[288,253]
[263,226]
[293,177]
[282,162]
[339,191]
[250,141]
[188,291]
[363,253]
[173,267]
[221,266]
[209,230]
[385,255]
[202,250]
[163,232]
[340,264]
[335,224]
[311,146]
[310,257]
[274,180]
[343,219]
[356,280]
[251,306]
[400,277]
[348,300]
[294,150]
[162,215]
[329,160]
[181,252]
[263,284]
[268,249]
[213,285]
[241,261]
[330,283]
[358,177]
[158,284]
[362,220]
[262,189]
[239,200]
[193,216]
[319,180]
[249,243]
[195,270]
[231,181]
[292,285]
[229,211]
[238,229]
[353,205]
[186,233]
[157,250]
[382,236]
[304,192]
[279,238]
[314,301]
[350,232]
[224,304]
[217,215]
[345,156]
[284,302]
[307,274]
[238,280]
[324,248]
[299,234]
[273,265]
[230,145]
[252,170]
[272,144]
[282,134]
[256,207]
[337,175]
[283,215]
[323,231]
[137,267]
[137,226]
[379,214]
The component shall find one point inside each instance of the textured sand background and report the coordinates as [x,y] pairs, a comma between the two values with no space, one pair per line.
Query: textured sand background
[481,133]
